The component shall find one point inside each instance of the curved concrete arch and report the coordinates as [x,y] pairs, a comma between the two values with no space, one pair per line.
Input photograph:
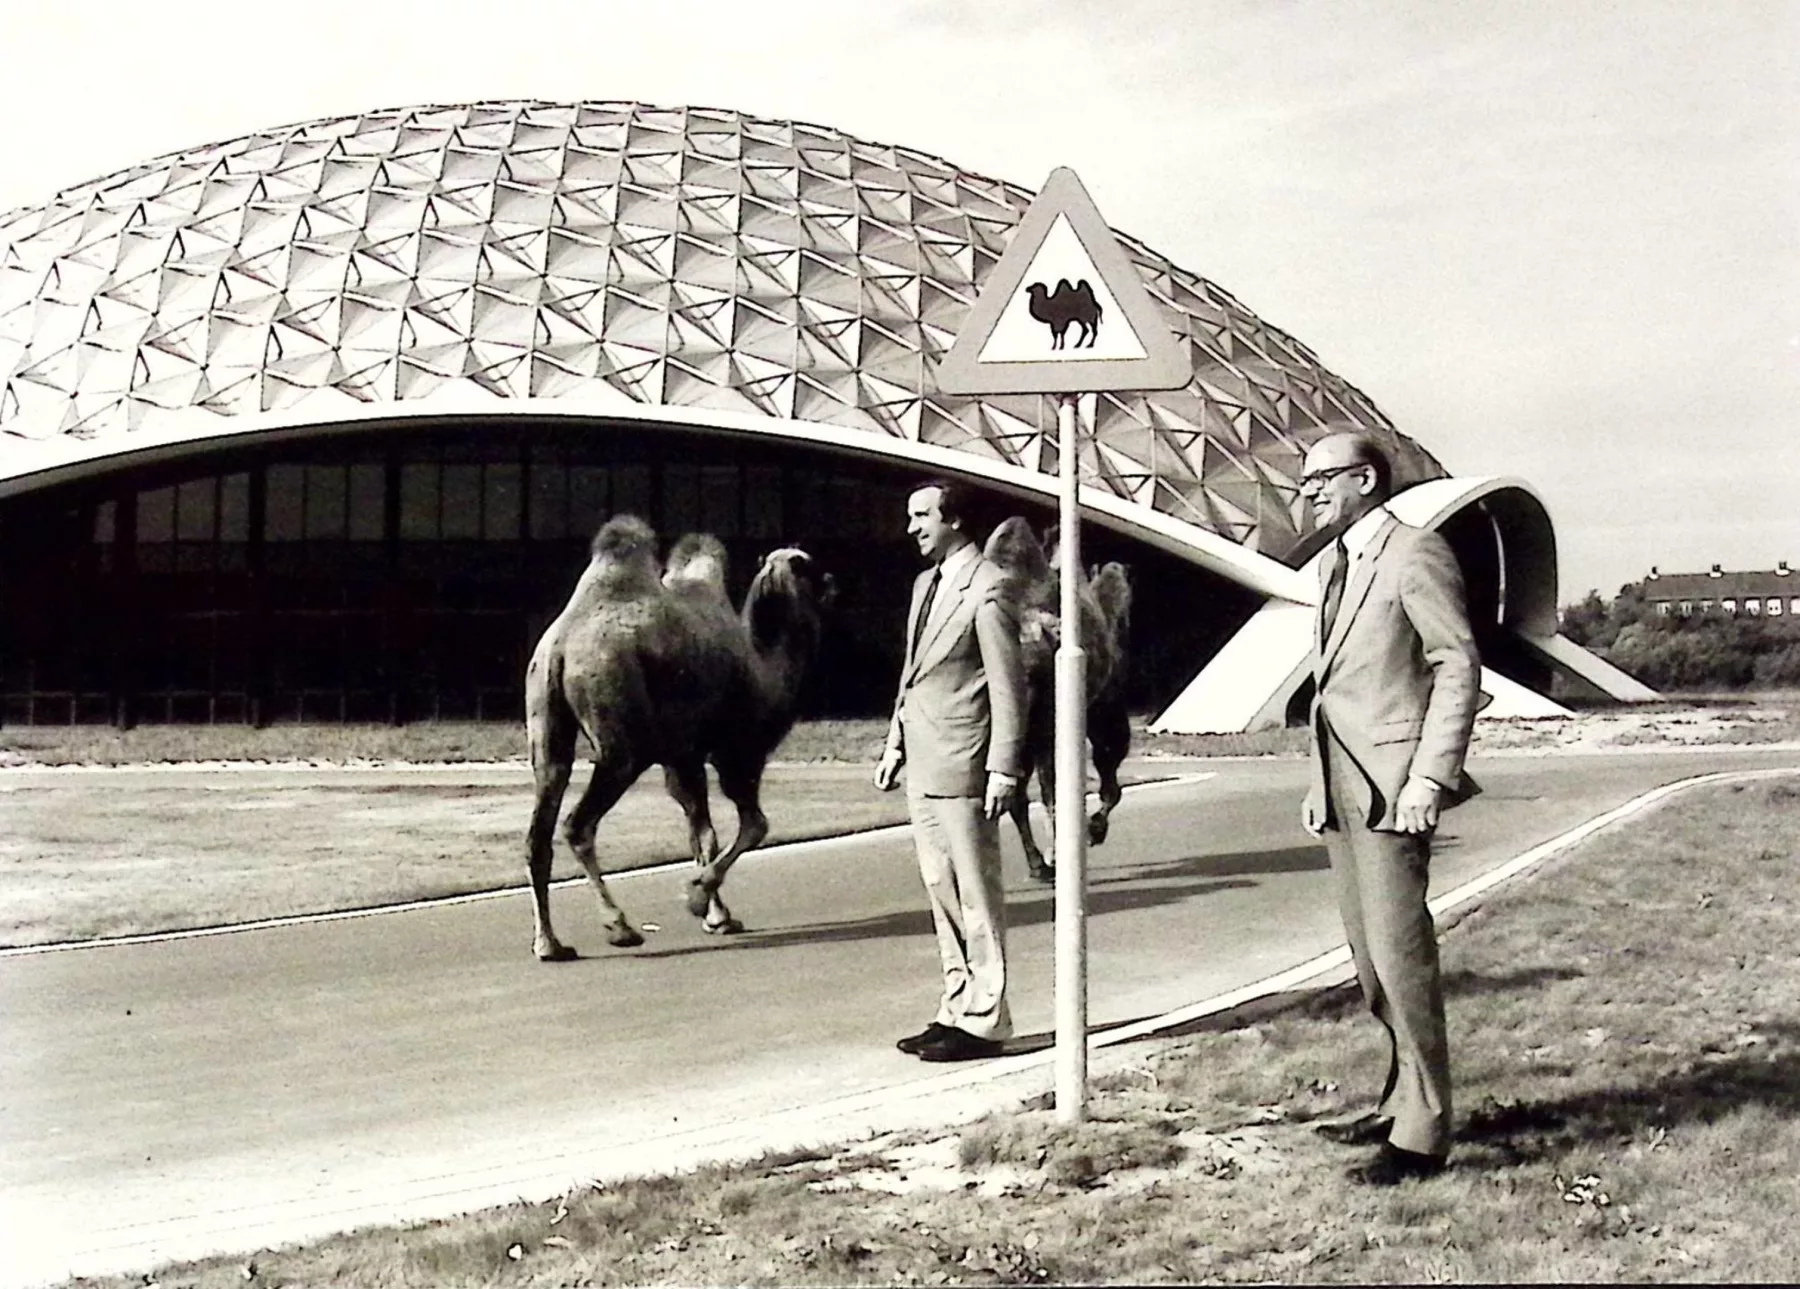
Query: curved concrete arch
[63,460]
[1251,682]
[1524,538]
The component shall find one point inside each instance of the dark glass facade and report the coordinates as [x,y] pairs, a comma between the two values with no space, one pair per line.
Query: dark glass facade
[404,575]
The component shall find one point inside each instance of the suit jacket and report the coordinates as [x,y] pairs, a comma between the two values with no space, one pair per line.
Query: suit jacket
[960,712]
[1397,682]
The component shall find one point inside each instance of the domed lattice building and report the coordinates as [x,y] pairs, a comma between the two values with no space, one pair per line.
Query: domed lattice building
[314,424]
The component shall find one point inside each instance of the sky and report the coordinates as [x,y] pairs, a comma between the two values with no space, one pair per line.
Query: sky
[1557,240]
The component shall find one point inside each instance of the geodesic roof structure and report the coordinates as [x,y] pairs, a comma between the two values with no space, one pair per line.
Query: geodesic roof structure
[685,258]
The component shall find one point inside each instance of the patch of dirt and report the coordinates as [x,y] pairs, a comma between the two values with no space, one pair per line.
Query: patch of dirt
[901,1164]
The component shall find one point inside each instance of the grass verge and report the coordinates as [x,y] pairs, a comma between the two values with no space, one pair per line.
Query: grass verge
[1627,1051]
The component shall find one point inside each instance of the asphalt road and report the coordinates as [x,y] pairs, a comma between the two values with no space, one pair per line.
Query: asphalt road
[165,1099]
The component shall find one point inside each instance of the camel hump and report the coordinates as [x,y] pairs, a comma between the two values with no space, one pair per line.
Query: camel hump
[1112,589]
[1016,550]
[696,563]
[623,537]
[624,557]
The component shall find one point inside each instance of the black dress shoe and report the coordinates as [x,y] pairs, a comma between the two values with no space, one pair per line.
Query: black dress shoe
[959,1045]
[1370,1130]
[1392,1165]
[930,1034]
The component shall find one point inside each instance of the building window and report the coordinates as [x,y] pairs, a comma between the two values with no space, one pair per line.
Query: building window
[418,501]
[196,510]
[284,502]
[368,501]
[1687,608]
[1705,606]
[1662,608]
[549,500]
[1730,606]
[156,516]
[589,500]
[502,507]
[327,504]
[234,508]
[1774,606]
[1753,607]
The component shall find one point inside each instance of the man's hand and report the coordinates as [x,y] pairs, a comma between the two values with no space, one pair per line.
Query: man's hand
[1000,791]
[1417,809]
[1312,816]
[887,774]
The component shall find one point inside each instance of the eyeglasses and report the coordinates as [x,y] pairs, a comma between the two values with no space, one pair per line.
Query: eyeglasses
[1316,479]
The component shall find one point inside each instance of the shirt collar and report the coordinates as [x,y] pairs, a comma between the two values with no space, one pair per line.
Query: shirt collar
[1357,537]
[957,560]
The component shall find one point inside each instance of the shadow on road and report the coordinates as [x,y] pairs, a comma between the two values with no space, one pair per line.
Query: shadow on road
[1110,891]
[1288,859]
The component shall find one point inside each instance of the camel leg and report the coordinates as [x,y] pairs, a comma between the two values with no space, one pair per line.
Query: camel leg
[610,780]
[1110,733]
[687,784]
[742,785]
[1021,817]
[1040,764]
[550,727]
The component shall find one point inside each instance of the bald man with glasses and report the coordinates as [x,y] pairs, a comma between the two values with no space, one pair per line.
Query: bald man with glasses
[1396,686]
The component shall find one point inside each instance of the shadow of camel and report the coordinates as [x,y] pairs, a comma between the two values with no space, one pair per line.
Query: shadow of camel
[1712,1085]
[1112,891]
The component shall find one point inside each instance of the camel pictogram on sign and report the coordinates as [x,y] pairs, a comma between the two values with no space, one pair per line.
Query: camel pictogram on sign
[1068,303]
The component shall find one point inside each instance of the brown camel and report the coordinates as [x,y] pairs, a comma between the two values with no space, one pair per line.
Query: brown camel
[1105,599]
[654,668]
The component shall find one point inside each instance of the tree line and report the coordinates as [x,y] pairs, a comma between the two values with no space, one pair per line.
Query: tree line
[1704,651]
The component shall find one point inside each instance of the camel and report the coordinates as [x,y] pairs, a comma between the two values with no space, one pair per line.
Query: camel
[654,668]
[1105,599]
[1068,303]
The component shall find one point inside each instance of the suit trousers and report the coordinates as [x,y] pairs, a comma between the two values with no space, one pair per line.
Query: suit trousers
[1381,884]
[959,861]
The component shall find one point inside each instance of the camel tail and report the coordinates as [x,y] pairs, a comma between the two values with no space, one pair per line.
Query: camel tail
[549,720]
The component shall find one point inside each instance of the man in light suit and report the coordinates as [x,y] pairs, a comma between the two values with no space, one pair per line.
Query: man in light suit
[1397,679]
[959,730]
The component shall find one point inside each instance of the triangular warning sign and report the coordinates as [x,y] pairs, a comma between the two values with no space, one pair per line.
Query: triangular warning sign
[1064,311]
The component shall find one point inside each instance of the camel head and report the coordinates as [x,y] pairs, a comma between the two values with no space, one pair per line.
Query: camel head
[788,592]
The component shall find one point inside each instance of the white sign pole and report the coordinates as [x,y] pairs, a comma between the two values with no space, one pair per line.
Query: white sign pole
[1096,329]
[1071,794]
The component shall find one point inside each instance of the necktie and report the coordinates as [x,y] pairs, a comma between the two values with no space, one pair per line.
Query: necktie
[1334,587]
[925,610]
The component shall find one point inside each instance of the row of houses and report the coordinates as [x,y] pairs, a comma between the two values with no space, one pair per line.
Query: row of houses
[1772,593]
